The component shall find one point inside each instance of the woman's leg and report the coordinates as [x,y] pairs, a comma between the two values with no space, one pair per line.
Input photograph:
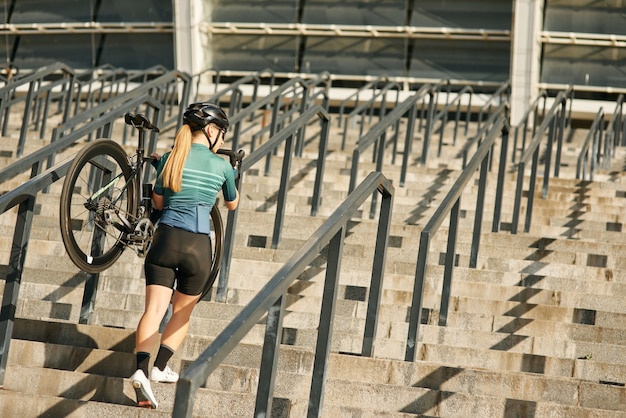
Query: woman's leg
[178,325]
[157,300]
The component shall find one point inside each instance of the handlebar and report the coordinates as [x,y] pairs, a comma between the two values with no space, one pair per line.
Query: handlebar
[140,122]
[235,157]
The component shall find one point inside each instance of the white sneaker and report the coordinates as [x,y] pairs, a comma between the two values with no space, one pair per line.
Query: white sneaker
[145,398]
[166,376]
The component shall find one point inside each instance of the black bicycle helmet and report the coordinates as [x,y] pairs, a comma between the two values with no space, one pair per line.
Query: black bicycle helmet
[199,115]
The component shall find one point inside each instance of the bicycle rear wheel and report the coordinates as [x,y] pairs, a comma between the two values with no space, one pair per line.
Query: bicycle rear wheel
[97,202]
[217,244]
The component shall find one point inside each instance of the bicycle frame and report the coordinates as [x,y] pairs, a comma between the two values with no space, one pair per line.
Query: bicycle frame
[137,232]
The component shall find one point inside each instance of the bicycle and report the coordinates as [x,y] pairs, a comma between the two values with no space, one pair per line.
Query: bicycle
[106,207]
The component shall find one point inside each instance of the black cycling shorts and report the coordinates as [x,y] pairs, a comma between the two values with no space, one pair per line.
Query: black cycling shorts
[181,258]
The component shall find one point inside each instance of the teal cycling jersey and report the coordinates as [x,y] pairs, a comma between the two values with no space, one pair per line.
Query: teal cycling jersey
[204,175]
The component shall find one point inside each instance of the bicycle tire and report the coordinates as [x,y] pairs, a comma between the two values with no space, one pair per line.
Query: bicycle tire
[92,238]
[217,249]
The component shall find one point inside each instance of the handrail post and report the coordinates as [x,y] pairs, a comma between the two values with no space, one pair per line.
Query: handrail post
[229,244]
[325,330]
[378,272]
[379,168]
[281,198]
[13,280]
[518,197]
[531,190]
[548,159]
[354,170]
[448,270]
[428,128]
[269,358]
[408,143]
[25,119]
[415,315]
[68,98]
[559,144]
[480,209]
[321,162]
[273,126]
[495,227]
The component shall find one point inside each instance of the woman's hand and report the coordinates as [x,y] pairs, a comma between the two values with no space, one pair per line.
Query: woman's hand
[156,157]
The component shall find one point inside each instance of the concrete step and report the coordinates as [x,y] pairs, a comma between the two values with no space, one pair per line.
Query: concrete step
[376,379]
[20,404]
[557,347]
[117,393]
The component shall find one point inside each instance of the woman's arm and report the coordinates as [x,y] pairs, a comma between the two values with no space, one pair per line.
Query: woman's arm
[157,201]
[232,205]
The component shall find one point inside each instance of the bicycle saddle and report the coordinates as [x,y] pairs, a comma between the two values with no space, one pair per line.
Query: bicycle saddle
[139,121]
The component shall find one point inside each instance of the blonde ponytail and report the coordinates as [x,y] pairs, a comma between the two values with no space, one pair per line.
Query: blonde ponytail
[173,170]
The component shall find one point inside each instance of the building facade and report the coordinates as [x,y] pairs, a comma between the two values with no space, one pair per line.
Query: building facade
[536,44]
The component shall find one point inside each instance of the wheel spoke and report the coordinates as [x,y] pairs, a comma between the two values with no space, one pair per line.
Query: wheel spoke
[96,195]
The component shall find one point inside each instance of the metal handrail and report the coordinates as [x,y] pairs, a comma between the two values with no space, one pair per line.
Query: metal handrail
[284,136]
[616,129]
[33,81]
[591,150]
[272,99]
[537,114]
[501,93]
[104,78]
[354,97]
[35,160]
[503,108]
[601,152]
[450,208]
[443,116]
[377,134]
[198,77]
[430,108]
[310,98]
[552,126]
[362,109]
[270,300]
[235,93]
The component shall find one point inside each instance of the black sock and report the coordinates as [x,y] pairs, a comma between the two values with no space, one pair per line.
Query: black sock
[163,356]
[143,361]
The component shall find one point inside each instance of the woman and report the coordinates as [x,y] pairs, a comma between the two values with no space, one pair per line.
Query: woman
[188,181]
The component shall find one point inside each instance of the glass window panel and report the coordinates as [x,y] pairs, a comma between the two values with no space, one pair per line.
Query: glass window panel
[376,13]
[136,11]
[602,17]
[138,51]
[477,14]
[38,50]
[254,11]
[46,11]
[463,60]
[253,53]
[58,11]
[583,65]
[343,55]
[130,51]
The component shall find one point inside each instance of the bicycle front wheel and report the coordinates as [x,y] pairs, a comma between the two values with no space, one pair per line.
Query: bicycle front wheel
[98,204]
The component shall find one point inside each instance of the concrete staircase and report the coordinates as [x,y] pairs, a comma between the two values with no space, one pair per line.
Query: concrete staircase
[538,329]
